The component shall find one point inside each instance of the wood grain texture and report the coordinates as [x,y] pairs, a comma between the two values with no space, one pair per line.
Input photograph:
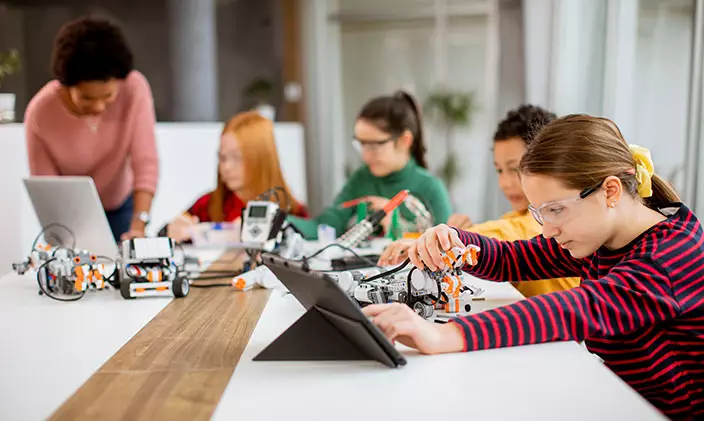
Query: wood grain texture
[178,365]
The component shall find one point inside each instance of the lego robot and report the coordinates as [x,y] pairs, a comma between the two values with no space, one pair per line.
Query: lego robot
[450,277]
[265,229]
[62,273]
[146,267]
[424,291]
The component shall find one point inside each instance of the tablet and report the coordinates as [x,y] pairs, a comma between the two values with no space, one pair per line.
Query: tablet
[333,328]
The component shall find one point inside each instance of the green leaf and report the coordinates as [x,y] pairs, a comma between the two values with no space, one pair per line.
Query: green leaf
[450,108]
[450,170]
[9,63]
[259,89]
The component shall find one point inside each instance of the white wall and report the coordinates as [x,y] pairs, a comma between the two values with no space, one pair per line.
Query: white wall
[188,160]
[380,57]
[662,87]
[511,94]
[355,50]
[577,59]
[628,60]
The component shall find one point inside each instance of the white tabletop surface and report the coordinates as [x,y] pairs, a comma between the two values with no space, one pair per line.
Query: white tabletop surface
[556,381]
[50,348]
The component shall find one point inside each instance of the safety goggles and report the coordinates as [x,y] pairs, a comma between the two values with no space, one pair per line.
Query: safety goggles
[558,212]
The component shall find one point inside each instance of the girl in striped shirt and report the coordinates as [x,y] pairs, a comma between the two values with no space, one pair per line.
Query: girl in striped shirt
[610,220]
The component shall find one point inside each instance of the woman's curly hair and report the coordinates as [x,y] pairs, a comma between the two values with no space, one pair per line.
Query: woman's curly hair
[90,49]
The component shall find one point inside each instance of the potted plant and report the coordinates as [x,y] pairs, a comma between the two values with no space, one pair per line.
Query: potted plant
[260,92]
[9,64]
[450,109]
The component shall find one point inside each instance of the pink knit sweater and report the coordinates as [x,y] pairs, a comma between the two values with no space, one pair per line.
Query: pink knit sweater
[117,149]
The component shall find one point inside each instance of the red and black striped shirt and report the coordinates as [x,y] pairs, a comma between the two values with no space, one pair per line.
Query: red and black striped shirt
[640,308]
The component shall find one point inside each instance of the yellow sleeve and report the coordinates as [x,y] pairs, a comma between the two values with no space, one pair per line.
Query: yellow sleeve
[507,229]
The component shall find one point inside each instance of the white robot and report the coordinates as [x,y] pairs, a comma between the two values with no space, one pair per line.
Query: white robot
[62,273]
[146,267]
[423,290]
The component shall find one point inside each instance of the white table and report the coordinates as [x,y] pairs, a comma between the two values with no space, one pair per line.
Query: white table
[50,348]
[556,381]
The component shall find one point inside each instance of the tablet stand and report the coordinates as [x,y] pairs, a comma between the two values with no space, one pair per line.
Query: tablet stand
[319,335]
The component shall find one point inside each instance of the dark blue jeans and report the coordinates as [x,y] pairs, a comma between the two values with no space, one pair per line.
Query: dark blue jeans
[120,219]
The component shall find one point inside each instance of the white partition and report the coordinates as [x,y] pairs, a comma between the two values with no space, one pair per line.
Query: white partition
[188,160]
[188,168]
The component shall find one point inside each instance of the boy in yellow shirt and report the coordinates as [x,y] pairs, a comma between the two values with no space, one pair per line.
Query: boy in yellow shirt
[511,140]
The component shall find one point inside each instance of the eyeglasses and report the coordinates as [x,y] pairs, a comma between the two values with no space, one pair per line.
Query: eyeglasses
[371,145]
[232,158]
[559,211]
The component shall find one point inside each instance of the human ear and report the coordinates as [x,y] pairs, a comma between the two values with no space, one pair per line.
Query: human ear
[613,189]
[406,139]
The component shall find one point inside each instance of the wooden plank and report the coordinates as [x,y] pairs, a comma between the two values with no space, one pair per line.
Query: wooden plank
[178,365]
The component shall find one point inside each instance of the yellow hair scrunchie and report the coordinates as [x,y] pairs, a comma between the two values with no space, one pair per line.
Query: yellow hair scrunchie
[644,170]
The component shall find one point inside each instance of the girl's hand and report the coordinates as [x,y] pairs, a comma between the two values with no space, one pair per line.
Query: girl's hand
[460,221]
[180,227]
[427,250]
[395,253]
[376,202]
[400,323]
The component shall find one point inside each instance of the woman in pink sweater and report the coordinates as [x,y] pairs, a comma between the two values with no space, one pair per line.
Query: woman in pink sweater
[97,119]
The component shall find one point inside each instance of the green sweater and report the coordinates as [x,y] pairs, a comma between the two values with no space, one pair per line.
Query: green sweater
[423,185]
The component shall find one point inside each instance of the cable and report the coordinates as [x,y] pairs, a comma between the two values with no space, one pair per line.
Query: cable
[220,261]
[69,252]
[208,275]
[212,272]
[210,285]
[115,283]
[46,227]
[46,275]
[398,268]
[285,196]
[213,277]
[111,278]
[305,258]
[275,191]
[372,264]
[194,282]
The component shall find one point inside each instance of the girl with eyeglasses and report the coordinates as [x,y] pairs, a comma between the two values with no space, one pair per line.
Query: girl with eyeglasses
[248,165]
[610,220]
[513,135]
[389,136]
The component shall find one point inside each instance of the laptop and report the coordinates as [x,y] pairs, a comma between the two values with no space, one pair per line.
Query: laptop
[333,328]
[73,203]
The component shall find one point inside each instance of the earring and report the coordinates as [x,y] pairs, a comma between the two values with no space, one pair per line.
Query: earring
[612,205]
